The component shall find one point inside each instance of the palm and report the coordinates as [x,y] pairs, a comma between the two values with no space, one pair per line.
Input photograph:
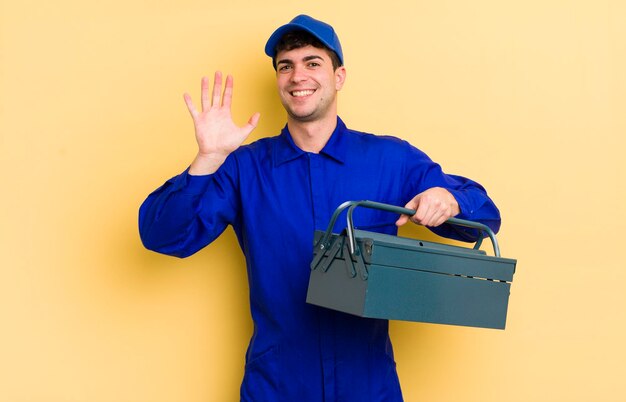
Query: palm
[216,133]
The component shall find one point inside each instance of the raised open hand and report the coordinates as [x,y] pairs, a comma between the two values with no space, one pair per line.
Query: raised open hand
[216,133]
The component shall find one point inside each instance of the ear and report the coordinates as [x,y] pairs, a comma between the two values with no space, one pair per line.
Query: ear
[340,77]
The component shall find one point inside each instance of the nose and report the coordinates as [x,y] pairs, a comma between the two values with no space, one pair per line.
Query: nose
[298,74]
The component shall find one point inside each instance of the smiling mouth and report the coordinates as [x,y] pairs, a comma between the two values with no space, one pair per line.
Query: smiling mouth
[305,92]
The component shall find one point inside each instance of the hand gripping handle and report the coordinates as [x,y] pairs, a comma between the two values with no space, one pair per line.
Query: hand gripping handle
[399,210]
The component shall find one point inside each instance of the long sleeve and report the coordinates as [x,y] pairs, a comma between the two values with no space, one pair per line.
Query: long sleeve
[474,203]
[189,212]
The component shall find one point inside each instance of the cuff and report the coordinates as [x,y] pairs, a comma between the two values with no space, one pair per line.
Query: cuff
[189,184]
[466,210]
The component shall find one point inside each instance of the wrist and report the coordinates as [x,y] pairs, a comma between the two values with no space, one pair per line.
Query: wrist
[204,164]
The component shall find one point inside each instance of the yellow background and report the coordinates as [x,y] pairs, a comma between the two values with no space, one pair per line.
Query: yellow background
[526,97]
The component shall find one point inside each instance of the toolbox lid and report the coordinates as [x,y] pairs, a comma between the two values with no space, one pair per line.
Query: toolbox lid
[441,258]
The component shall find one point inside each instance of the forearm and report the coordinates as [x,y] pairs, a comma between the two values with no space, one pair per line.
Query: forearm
[173,219]
[474,205]
[471,198]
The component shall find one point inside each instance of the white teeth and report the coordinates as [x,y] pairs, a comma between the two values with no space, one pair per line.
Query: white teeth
[302,93]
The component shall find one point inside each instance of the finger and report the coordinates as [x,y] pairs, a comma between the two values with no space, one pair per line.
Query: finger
[440,220]
[422,212]
[217,88]
[444,215]
[204,93]
[409,205]
[438,215]
[402,220]
[190,106]
[254,121]
[430,217]
[228,92]
[251,125]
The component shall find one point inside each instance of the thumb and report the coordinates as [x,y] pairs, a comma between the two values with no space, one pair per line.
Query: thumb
[409,205]
[402,220]
[253,122]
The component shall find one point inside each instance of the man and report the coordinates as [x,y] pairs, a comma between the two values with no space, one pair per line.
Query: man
[276,192]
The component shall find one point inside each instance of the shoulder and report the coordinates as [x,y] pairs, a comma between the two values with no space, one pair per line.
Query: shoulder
[379,142]
[258,149]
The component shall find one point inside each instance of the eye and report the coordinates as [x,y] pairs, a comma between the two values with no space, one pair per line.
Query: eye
[314,64]
[284,67]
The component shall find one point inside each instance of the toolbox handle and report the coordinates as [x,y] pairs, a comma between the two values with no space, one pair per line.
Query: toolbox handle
[399,210]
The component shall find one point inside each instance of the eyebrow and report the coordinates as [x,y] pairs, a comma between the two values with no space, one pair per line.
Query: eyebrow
[306,58]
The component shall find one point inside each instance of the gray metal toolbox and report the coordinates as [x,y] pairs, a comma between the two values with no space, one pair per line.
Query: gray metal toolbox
[381,276]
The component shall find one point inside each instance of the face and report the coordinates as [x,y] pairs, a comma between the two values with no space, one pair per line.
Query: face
[307,83]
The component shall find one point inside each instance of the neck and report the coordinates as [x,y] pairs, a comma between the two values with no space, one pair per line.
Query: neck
[312,136]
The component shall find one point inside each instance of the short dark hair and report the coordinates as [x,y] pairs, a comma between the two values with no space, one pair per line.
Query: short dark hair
[297,39]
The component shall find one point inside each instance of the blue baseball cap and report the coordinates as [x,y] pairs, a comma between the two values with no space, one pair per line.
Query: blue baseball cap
[321,30]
